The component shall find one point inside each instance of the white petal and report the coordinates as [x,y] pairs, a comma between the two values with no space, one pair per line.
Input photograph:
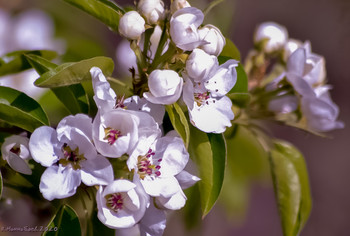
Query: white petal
[104,97]
[97,171]
[18,164]
[43,144]
[173,153]
[59,182]
[223,80]
[300,85]
[154,222]
[284,104]
[79,121]
[188,93]
[156,187]
[295,63]
[175,202]
[186,179]
[213,117]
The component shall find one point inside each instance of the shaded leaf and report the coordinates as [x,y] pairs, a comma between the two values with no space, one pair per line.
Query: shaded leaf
[40,64]
[179,122]
[15,62]
[74,73]
[18,109]
[106,11]
[291,186]
[65,222]
[209,153]
[73,97]
[241,85]
[230,51]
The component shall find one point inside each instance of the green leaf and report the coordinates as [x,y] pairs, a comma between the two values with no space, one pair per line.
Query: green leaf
[15,62]
[291,184]
[18,109]
[230,51]
[73,97]
[74,73]
[241,85]
[179,122]
[65,222]
[209,153]
[40,64]
[106,11]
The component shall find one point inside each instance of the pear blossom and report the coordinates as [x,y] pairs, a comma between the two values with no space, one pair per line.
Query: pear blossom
[153,222]
[107,100]
[209,108]
[291,46]
[275,35]
[184,25]
[157,164]
[69,156]
[200,64]
[320,111]
[178,4]
[152,10]
[284,104]
[214,38]
[121,204]
[131,25]
[165,87]
[117,131]
[15,151]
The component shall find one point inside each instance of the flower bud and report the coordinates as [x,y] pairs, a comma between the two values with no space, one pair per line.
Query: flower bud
[214,38]
[131,25]
[184,28]
[165,87]
[200,64]
[152,10]
[178,4]
[275,35]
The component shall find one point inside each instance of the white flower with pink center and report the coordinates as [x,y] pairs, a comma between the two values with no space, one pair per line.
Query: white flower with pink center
[209,108]
[15,151]
[70,156]
[117,131]
[157,164]
[121,204]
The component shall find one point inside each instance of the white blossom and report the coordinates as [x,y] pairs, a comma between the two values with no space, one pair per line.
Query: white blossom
[275,35]
[165,87]
[209,108]
[70,157]
[214,39]
[131,25]
[184,25]
[15,151]
[121,204]
[152,10]
[290,47]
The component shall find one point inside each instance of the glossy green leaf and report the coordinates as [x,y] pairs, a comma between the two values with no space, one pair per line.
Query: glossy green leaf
[209,153]
[15,62]
[179,122]
[291,186]
[230,51]
[64,223]
[18,109]
[73,97]
[106,11]
[40,64]
[74,73]
[241,85]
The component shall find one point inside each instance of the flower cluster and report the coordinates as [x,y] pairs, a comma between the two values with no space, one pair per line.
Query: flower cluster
[298,85]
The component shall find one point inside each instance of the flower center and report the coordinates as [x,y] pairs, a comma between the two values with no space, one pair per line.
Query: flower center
[146,167]
[114,201]
[16,150]
[71,157]
[111,135]
[201,98]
